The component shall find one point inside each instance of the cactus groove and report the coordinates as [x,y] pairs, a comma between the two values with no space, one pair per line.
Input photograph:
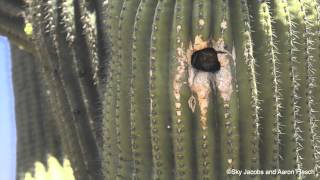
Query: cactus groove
[128,102]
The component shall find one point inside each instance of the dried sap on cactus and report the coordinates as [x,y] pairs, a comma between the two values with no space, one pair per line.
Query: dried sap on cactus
[209,71]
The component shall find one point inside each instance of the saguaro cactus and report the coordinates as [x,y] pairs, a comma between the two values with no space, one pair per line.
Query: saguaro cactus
[259,111]
[183,89]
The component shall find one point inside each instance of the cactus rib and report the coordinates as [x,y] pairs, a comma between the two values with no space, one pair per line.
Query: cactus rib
[88,20]
[180,92]
[139,94]
[123,80]
[247,87]
[204,121]
[80,64]
[309,130]
[284,35]
[110,154]
[158,89]
[270,95]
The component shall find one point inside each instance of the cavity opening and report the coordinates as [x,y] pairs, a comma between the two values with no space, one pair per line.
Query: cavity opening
[206,60]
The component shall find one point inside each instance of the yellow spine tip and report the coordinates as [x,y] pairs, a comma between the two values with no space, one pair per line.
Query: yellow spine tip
[28,29]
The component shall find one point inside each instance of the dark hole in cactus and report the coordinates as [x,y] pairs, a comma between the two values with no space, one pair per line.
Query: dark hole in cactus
[206,60]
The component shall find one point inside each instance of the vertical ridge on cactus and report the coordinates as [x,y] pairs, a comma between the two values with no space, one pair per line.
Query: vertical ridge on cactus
[81,64]
[162,153]
[88,21]
[270,96]
[307,92]
[139,92]
[311,42]
[247,87]
[283,29]
[26,153]
[110,149]
[179,92]
[123,62]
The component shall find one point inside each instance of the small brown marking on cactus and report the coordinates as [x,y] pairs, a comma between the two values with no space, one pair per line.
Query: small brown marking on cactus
[198,45]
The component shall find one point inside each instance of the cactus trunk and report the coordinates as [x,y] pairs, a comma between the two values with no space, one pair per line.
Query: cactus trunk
[133,100]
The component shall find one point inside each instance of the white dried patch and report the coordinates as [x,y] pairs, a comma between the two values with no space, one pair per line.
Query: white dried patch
[192,103]
[201,87]
[106,2]
[224,25]
[179,74]
[203,83]
[178,28]
[201,22]
[223,79]
[200,82]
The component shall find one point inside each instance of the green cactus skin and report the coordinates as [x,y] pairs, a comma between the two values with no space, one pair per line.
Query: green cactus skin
[228,109]
[290,148]
[87,144]
[88,21]
[57,98]
[285,37]
[269,95]
[139,91]
[110,149]
[245,131]
[81,65]
[26,153]
[123,63]
[312,59]
[247,87]
[35,124]
[162,153]
[62,99]
[162,118]
[314,16]
[305,69]
[180,93]
[205,138]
